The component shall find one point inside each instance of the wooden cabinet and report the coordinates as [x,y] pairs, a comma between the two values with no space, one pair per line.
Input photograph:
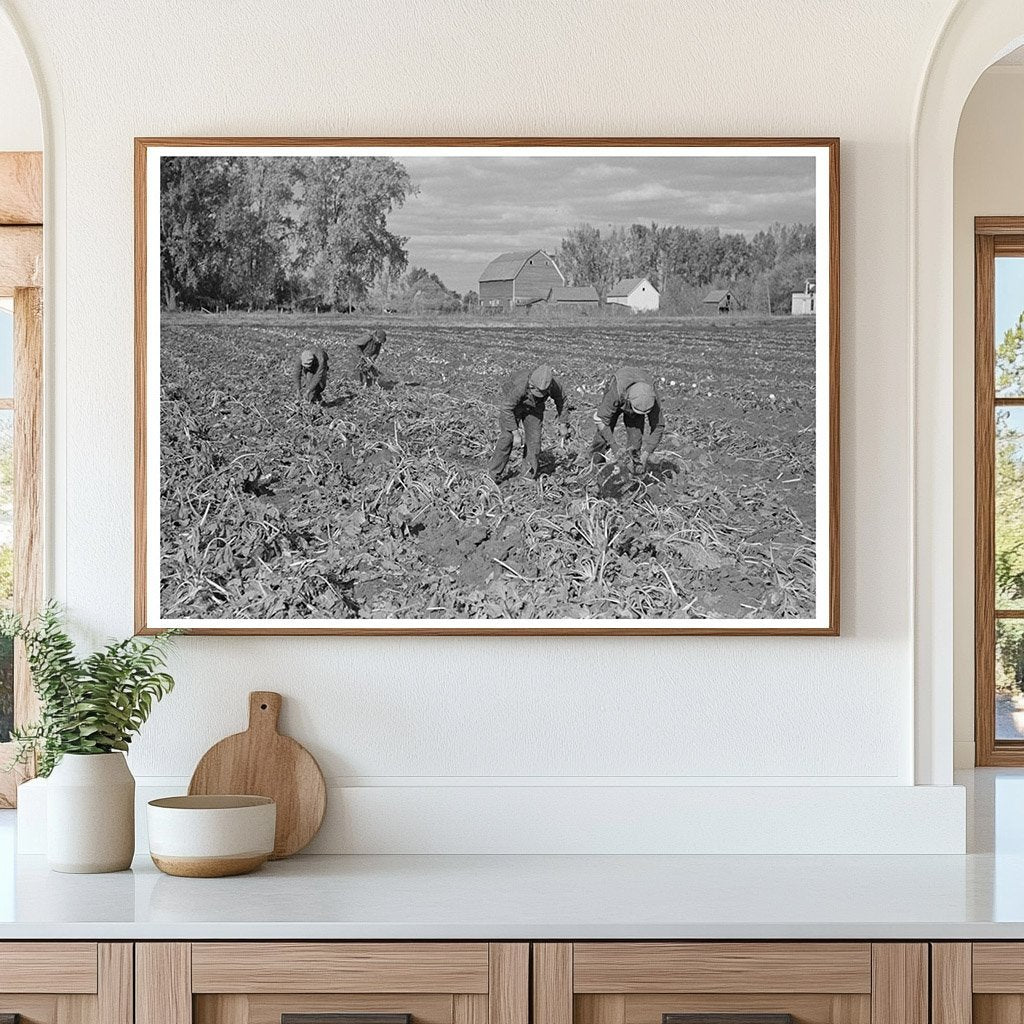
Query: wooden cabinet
[66,982]
[264,982]
[759,982]
[978,983]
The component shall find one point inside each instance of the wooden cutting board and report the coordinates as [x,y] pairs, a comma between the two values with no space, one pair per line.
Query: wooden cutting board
[262,762]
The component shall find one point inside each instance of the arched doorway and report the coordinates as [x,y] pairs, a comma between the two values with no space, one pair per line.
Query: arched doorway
[976,34]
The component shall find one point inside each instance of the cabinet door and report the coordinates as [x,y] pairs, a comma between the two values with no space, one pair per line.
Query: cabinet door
[332,983]
[730,983]
[981,982]
[65,983]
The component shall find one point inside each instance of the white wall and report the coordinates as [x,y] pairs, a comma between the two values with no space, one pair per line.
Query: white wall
[21,127]
[464,711]
[987,181]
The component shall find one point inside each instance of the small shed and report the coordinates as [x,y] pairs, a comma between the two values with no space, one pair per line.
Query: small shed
[565,295]
[723,300]
[518,279]
[804,302]
[635,292]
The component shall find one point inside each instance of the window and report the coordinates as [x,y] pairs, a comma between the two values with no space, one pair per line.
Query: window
[999,490]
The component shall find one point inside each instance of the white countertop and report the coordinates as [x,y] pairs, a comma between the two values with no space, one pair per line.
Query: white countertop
[517,897]
[977,896]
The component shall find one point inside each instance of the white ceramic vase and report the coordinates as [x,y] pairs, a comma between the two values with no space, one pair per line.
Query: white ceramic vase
[90,814]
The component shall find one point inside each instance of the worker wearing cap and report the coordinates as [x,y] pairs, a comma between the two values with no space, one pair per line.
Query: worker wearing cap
[630,394]
[522,406]
[310,373]
[367,349]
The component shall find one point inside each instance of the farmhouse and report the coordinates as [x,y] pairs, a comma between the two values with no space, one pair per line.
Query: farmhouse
[635,292]
[519,279]
[723,300]
[804,302]
[562,295]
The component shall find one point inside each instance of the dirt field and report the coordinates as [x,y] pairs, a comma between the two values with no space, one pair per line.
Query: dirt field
[377,505]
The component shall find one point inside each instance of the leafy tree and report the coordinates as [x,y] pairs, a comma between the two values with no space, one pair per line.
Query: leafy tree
[258,231]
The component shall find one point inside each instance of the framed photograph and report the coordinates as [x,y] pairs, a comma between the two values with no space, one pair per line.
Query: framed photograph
[487,386]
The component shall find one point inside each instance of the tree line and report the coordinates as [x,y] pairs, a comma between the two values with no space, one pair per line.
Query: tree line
[761,271]
[259,232]
[245,232]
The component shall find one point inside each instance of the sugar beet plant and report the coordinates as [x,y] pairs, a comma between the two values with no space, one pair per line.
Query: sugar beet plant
[90,705]
[376,505]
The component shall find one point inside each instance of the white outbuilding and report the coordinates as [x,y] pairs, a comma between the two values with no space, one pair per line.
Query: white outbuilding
[636,292]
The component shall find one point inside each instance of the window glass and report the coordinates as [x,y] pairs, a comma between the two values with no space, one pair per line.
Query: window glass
[1009,512]
[1009,679]
[6,353]
[1009,327]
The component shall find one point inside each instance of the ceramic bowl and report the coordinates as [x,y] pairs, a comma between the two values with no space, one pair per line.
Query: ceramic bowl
[211,836]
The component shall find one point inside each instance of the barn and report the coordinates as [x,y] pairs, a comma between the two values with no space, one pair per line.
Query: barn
[576,297]
[722,300]
[635,292]
[519,279]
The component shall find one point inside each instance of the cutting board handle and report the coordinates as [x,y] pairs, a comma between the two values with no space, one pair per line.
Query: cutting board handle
[264,710]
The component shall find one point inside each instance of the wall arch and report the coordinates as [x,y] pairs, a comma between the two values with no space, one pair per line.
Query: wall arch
[976,33]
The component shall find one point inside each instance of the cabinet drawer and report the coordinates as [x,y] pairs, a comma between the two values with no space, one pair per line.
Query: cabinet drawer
[635,967]
[66,982]
[730,983]
[340,967]
[65,967]
[332,983]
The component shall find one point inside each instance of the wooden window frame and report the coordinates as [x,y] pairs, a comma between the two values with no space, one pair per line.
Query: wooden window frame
[21,278]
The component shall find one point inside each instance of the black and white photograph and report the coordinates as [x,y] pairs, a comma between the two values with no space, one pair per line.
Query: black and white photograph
[498,388]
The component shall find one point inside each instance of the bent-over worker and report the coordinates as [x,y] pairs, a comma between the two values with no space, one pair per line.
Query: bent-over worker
[367,350]
[310,373]
[522,407]
[630,394]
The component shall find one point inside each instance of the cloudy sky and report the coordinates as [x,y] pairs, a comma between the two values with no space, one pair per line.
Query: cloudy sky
[469,209]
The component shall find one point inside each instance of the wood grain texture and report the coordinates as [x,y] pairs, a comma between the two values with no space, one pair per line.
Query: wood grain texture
[262,762]
[21,188]
[21,258]
[508,993]
[269,1008]
[304,967]
[226,1009]
[115,995]
[603,1009]
[28,515]
[951,983]
[899,990]
[208,867]
[633,967]
[998,1009]
[31,1009]
[984,502]
[552,983]
[144,626]
[806,1008]
[163,983]
[467,1009]
[65,967]
[998,967]
[28,483]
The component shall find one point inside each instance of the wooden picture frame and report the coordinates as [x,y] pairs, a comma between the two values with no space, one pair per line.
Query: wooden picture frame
[825,618]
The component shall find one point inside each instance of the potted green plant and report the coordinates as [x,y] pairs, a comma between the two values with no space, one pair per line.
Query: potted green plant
[90,708]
